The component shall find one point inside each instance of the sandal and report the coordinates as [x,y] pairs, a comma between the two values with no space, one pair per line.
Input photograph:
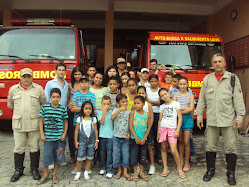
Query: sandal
[165,172]
[54,179]
[129,178]
[43,180]
[143,176]
[181,174]
[193,159]
[135,177]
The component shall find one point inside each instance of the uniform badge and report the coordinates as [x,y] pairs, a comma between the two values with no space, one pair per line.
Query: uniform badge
[238,83]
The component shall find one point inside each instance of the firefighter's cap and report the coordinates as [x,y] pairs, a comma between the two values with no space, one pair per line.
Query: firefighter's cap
[26,71]
[119,60]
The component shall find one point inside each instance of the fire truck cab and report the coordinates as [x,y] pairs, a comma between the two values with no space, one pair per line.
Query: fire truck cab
[38,44]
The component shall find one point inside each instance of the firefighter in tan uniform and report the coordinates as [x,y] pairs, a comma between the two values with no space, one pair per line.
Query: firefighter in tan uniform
[222,96]
[26,100]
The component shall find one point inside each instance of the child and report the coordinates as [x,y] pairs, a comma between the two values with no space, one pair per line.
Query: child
[106,137]
[113,84]
[86,138]
[53,129]
[132,86]
[98,90]
[121,137]
[91,71]
[168,81]
[132,74]
[153,98]
[124,78]
[143,76]
[111,71]
[186,100]
[139,128]
[168,130]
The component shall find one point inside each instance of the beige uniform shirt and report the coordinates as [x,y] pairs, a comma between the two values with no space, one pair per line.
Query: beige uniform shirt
[224,105]
[26,106]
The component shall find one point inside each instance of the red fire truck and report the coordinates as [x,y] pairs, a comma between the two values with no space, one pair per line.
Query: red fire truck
[189,54]
[38,44]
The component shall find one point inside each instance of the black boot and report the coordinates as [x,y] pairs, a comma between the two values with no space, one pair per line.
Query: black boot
[210,159]
[18,158]
[231,164]
[34,165]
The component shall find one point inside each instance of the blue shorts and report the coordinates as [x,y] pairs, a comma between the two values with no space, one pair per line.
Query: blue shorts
[54,152]
[120,152]
[187,122]
[86,150]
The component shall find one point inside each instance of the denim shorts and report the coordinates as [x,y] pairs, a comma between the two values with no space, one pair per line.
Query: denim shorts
[138,153]
[120,152]
[187,122]
[54,152]
[86,150]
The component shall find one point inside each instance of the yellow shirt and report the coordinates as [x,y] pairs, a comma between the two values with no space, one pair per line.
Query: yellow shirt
[130,102]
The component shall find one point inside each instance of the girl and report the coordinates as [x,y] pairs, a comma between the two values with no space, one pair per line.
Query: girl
[168,130]
[86,138]
[132,86]
[153,99]
[138,125]
[98,90]
[186,100]
[132,74]
[124,78]
[73,87]
[111,71]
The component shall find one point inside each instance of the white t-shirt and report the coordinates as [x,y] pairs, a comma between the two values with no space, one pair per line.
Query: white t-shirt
[169,118]
[153,96]
[86,124]
[146,85]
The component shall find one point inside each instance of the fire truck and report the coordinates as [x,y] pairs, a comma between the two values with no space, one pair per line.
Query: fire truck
[189,54]
[38,44]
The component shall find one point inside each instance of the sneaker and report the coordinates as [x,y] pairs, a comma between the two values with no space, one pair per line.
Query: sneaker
[51,167]
[63,164]
[102,172]
[86,176]
[152,170]
[109,175]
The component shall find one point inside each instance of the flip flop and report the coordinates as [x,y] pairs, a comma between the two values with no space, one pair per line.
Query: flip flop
[117,176]
[143,176]
[165,172]
[181,174]
[129,178]
[54,179]
[45,179]
[135,177]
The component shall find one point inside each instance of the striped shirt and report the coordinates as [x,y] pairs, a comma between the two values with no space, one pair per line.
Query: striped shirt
[184,101]
[53,121]
[79,98]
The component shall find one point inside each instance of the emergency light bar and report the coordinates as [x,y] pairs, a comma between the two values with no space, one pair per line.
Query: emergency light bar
[41,21]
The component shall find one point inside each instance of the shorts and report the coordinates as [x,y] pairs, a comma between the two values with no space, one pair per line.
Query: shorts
[150,137]
[138,153]
[167,134]
[120,152]
[187,122]
[54,152]
[86,150]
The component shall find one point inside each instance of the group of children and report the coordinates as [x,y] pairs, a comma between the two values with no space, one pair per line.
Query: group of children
[123,122]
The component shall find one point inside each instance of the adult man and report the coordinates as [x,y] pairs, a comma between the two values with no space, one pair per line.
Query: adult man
[222,96]
[121,64]
[154,70]
[61,83]
[26,100]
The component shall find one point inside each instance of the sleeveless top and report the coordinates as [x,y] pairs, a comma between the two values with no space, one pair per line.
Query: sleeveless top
[140,125]
[130,102]
[146,107]
[72,92]
[184,101]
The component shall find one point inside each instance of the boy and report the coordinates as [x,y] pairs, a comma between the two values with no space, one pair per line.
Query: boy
[106,137]
[91,71]
[53,126]
[113,84]
[143,76]
[174,89]
[168,81]
[121,137]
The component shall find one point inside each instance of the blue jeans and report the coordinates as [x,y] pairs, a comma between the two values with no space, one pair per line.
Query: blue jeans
[156,144]
[70,132]
[54,152]
[192,149]
[120,152]
[106,149]
[138,153]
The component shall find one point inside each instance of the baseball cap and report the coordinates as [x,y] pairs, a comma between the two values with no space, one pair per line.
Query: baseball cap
[26,71]
[144,69]
[84,77]
[120,60]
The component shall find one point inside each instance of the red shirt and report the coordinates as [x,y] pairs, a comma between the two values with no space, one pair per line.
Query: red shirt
[161,75]
[218,77]
[24,87]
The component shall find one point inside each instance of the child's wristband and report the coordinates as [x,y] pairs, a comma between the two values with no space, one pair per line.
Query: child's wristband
[96,140]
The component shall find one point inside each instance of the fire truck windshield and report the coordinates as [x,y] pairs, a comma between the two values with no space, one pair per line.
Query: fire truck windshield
[184,55]
[44,42]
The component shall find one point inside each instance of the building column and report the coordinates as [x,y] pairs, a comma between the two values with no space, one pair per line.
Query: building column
[7,15]
[109,24]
